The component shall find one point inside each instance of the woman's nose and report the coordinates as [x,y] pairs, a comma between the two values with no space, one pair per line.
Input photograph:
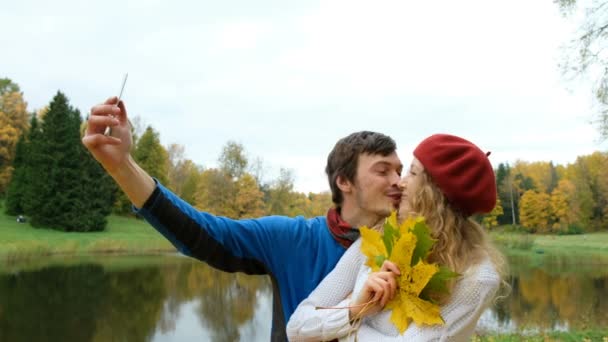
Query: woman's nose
[402,183]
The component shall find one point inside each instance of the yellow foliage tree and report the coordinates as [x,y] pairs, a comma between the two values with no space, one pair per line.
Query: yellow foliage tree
[534,211]
[249,201]
[491,220]
[13,123]
[539,172]
[564,212]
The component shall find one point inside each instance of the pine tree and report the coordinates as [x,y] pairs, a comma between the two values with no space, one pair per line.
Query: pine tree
[71,192]
[29,200]
[16,188]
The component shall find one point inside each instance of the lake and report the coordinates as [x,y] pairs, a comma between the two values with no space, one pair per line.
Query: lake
[174,298]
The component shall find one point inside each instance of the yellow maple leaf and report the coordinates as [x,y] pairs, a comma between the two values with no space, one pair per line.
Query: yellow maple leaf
[392,219]
[406,306]
[373,247]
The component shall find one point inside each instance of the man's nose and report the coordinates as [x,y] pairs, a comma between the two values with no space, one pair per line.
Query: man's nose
[396,179]
[401,183]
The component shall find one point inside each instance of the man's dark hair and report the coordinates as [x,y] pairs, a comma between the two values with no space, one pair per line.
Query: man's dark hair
[344,158]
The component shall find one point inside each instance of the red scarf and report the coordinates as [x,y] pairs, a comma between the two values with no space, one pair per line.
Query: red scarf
[340,229]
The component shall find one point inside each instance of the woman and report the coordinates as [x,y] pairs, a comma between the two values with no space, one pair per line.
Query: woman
[449,180]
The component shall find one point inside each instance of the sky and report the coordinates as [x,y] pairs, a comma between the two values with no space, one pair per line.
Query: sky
[287,79]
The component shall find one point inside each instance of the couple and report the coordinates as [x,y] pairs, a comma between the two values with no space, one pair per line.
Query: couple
[449,180]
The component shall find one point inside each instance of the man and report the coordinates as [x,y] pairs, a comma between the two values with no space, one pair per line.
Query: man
[297,253]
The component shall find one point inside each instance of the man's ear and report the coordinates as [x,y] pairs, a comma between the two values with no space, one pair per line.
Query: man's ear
[344,184]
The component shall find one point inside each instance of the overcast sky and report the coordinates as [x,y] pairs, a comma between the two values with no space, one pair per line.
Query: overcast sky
[287,79]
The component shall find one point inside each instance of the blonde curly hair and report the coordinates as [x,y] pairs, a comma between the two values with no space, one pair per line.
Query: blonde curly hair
[461,242]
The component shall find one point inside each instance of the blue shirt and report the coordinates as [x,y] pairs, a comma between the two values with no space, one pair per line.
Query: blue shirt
[297,253]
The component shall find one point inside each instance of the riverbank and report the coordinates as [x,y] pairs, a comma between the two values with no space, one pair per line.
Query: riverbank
[587,249]
[593,335]
[19,241]
[132,236]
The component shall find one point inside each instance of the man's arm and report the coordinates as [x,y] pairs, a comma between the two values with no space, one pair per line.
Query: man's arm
[113,152]
[251,246]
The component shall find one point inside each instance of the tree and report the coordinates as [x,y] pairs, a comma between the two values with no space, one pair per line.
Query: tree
[233,160]
[152,156]
[13,124]
[249,200]
[280,197]
[18,183]
[534,211]
[491,220]
[504,181]
[564,211]
[215,193]
[587,55]
[65,190]
[589,177]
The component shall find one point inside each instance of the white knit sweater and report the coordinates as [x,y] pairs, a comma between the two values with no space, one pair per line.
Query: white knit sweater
[471,295]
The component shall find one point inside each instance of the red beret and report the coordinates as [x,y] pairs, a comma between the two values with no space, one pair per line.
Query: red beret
[461,170]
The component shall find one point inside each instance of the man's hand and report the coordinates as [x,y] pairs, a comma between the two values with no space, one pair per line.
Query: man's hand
[111,151]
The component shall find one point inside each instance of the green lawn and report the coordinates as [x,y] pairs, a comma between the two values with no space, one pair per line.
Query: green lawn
[123,235]
[599,336]
[132,236]
[586,248]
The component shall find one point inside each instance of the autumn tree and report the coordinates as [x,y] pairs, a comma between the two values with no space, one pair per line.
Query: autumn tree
[564,211]
[233,161]
[534,211]
[13,124]
[491,219]
[216,193]
[249,200]
[320,203]
[280,197]
[589,177]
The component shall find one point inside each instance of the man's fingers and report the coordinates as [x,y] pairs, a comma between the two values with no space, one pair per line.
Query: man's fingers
[111,100]
[98,123]
[95,140]
[105,110]
[123,111]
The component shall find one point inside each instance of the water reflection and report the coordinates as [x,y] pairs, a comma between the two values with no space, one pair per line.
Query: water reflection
[125,301]
[553,296]
[174,298]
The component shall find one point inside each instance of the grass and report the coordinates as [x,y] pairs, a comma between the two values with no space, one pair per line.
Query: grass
[586,248]
[123,235]
[578,336]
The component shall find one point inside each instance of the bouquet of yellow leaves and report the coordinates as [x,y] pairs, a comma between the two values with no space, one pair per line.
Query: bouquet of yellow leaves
[408,245]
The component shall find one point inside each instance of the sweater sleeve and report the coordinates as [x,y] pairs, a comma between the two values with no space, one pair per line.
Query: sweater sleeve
[309,324]
[472,295]
[229,245]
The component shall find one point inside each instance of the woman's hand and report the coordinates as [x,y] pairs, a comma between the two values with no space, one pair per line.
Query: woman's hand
[379,288]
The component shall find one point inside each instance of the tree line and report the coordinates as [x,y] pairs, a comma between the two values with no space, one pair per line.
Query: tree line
[46,174]
[547,198]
